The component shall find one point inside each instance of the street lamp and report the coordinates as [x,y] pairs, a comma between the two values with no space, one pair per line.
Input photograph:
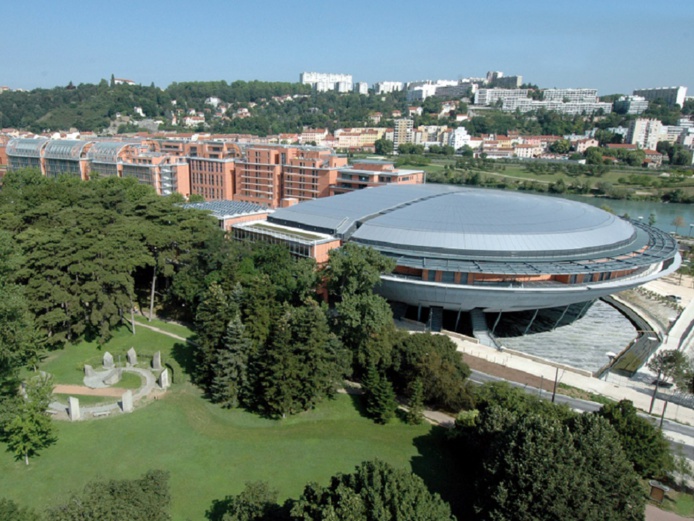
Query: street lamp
[610,356]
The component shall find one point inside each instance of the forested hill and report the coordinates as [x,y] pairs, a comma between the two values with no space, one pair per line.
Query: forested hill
[89,107]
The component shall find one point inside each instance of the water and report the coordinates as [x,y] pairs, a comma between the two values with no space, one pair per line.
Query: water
[664,213]
[581,344]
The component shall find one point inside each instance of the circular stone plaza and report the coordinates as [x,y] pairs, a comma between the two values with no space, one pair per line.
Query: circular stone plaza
[470,249]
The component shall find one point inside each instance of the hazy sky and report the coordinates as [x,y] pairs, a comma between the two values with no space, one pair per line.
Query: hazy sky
[612,45]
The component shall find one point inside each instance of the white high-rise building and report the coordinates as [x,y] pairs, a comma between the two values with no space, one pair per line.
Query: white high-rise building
[671,95]
[323,82]
[570,95]
[386,87]
[459,138]
[645,133]
[361,87]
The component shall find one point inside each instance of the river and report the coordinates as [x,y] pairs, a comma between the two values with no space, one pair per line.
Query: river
[665,213]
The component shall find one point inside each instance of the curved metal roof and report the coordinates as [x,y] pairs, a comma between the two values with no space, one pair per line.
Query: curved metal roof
[476,222]
[339,215]
[106,151]
[65,149]
[26,147]
[440,221]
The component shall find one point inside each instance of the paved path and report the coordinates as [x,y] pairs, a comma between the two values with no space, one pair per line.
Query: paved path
[159,330]
[653,513]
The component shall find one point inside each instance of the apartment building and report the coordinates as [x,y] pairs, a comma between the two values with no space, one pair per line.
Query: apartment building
[645,133]
[361,87]
[402,132]
[358,138]
[670,95]
[267,175]
[323,82]
[631,105]
[212,169]
[570,95]
[386,87]
[365,173]
[489,97]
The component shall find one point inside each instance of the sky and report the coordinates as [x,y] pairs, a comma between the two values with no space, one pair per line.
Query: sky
[612,45]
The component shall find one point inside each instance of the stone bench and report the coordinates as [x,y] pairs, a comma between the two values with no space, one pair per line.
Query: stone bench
[101,413]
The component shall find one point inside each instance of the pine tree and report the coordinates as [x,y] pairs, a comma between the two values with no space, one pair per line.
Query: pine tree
[277,382]
[415,414]
[380,396]
[210,325]
[230,378]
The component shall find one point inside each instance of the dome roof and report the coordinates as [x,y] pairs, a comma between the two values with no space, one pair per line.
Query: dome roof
[478,222]
[467,223]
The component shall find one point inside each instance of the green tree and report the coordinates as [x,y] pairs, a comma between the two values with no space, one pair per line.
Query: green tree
[364,324]
[384,147]
[256,502]
[379,396]
[375,491]
[354,269]
[415,414]
[230,368]
[19,344]
[670,364]
[11,511]
[433,361]
[643,443]
[652,219]
[143,499]
[561,146]
[537,467]
[211,322]
[301,363]
[30,429]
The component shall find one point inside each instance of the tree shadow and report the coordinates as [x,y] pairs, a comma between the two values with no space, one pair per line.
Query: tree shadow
[184,355]
[445,470]
[359,404]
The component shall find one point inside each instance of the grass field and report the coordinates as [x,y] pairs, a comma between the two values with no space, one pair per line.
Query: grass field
[210,452]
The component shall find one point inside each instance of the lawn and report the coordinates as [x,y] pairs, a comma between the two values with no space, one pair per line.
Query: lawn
[210,452]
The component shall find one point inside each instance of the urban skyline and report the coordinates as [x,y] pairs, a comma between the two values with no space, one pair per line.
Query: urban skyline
[615,47]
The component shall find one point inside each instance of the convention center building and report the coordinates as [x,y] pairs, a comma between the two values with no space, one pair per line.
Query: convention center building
[463,249]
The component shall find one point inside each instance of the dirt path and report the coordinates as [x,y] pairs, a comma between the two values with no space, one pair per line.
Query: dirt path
[507,373]
[113,392]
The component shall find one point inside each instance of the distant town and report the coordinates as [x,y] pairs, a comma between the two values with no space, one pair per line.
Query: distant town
[178,149]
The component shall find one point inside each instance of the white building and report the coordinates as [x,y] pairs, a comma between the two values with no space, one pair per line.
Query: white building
[671,95]
[491,96]
[645,133]
[459,138]
[361,87]
[323,82]
[386,87]
[569,95]
[631,105]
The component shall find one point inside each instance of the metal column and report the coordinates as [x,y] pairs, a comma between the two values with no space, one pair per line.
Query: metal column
[562,316]
[531,322]
[496,322]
